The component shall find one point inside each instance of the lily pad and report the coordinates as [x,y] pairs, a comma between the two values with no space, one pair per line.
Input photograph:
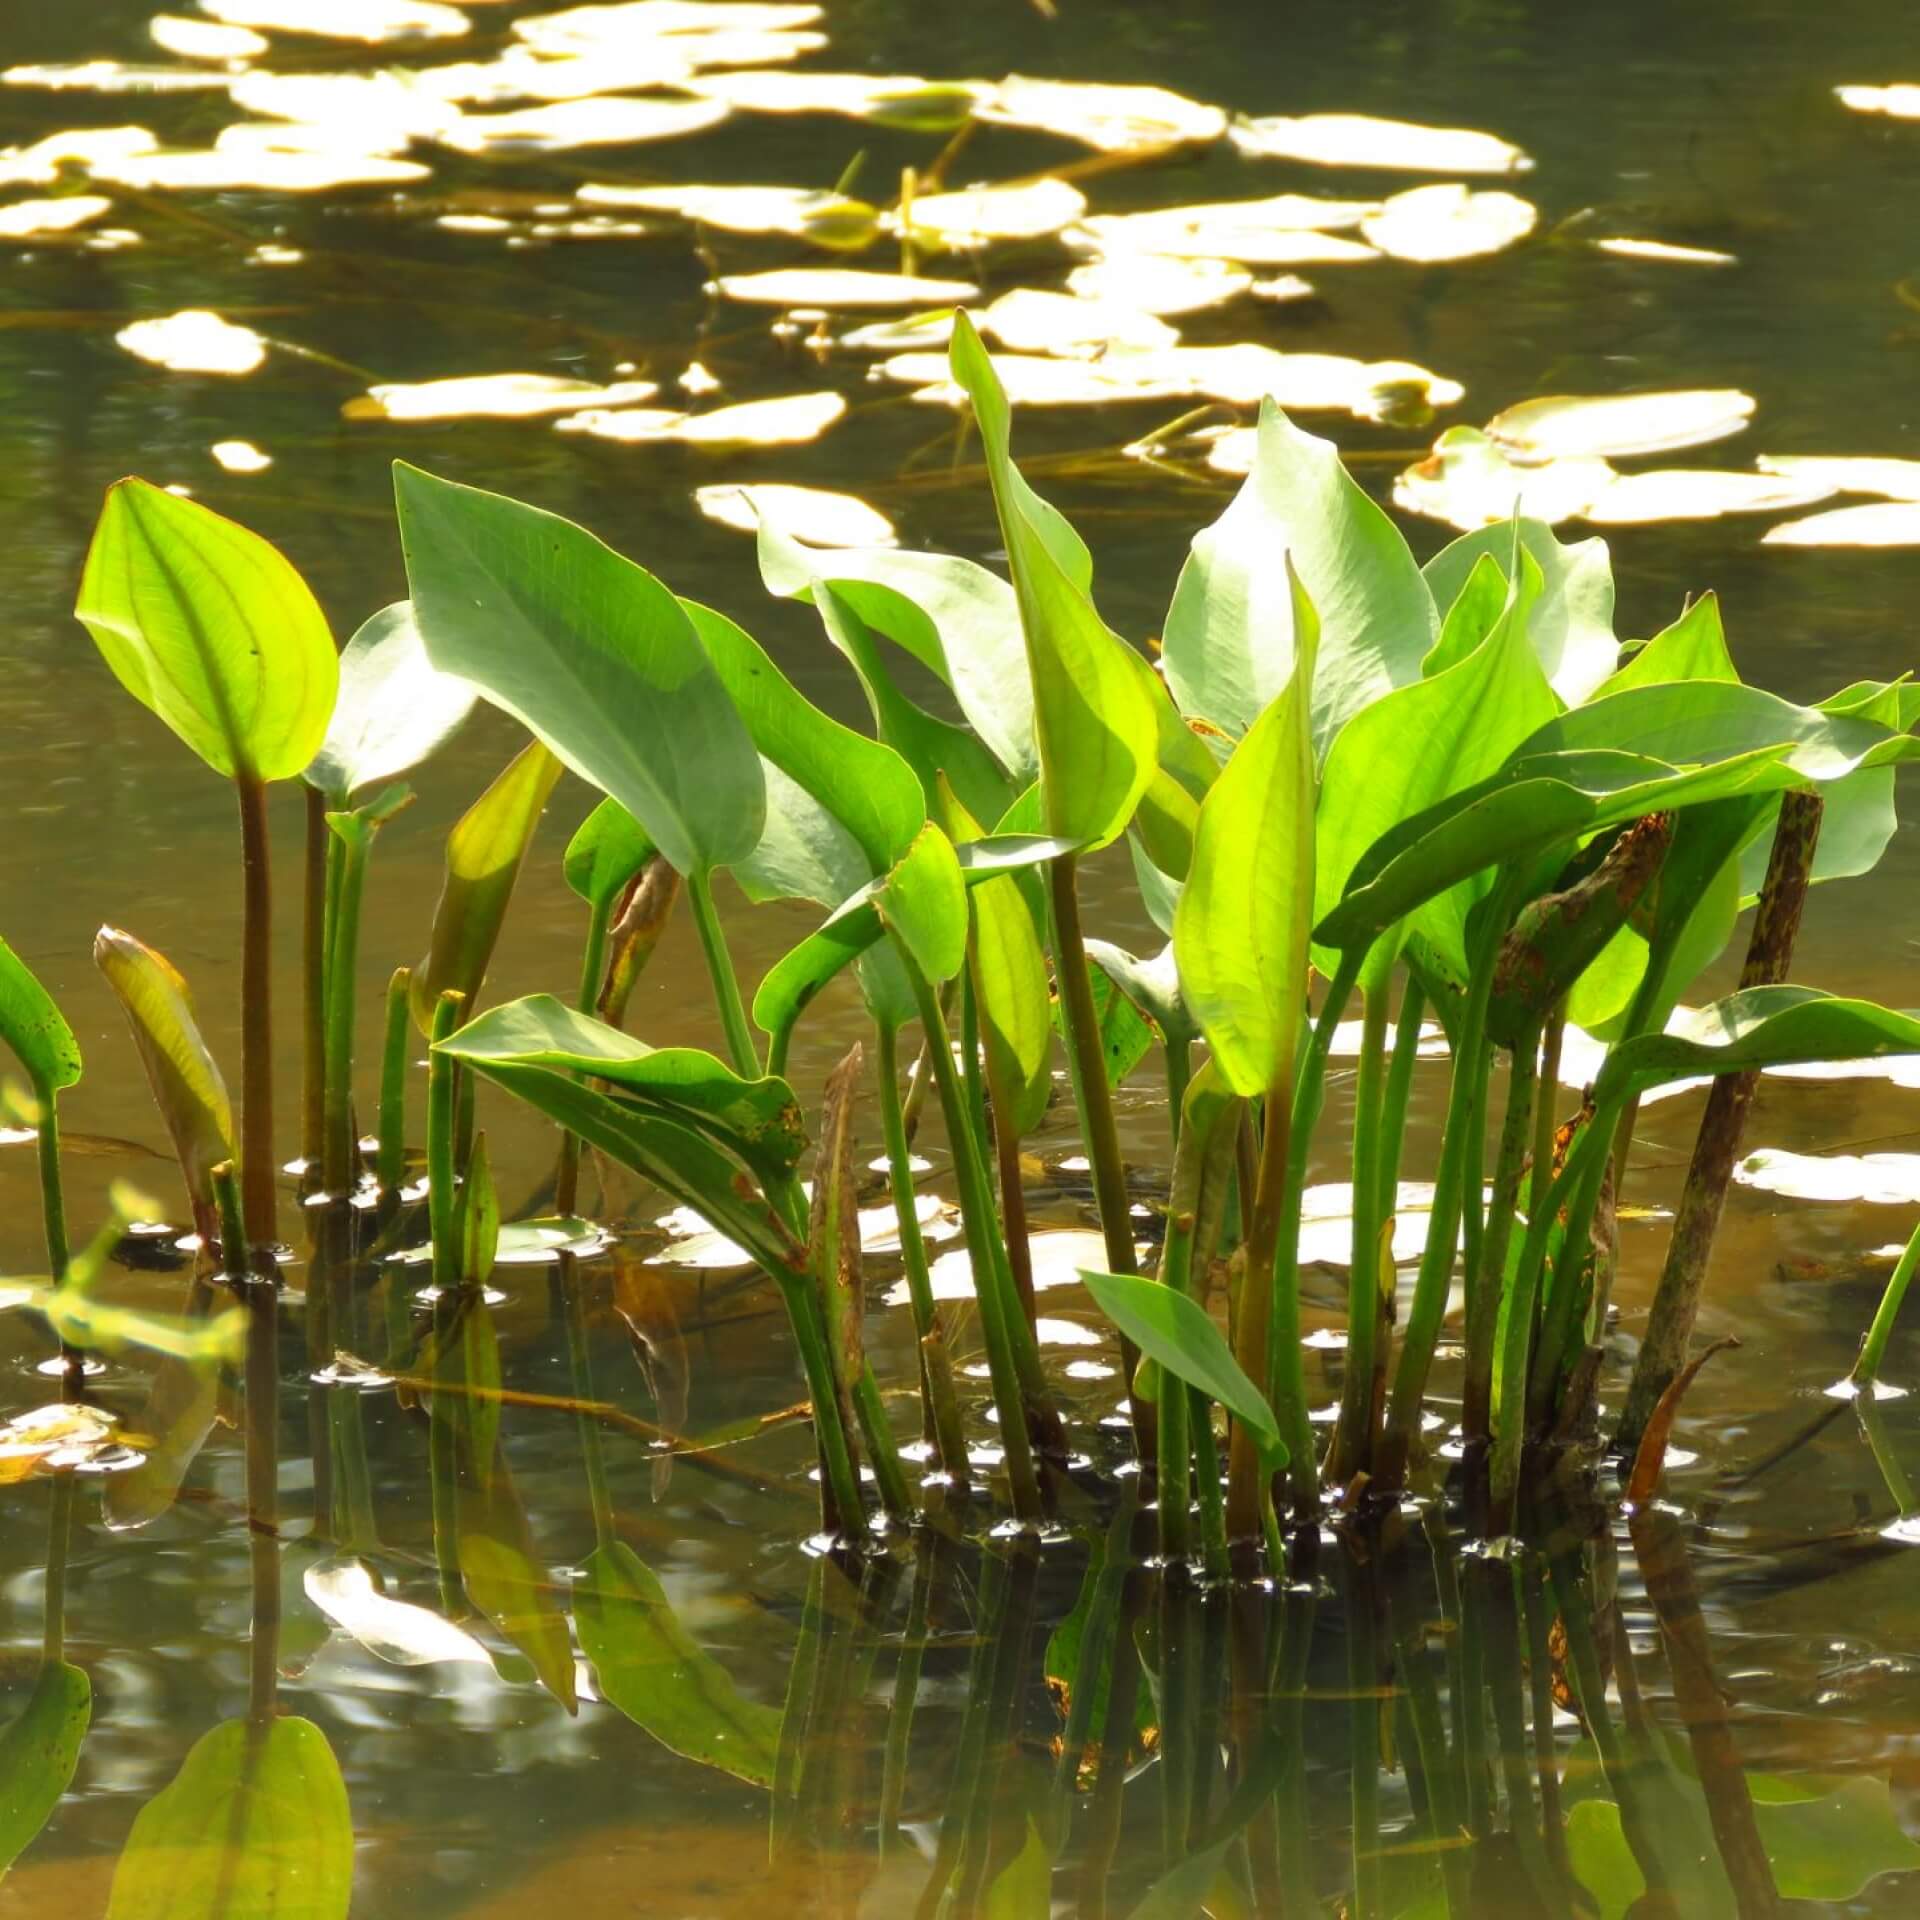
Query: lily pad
[31,219]
[194,341]
[1449,222]
[1624,248]
[1159,283]
[1895,524]
[815,516]
[1878,1179]
[790,420]
[1613,426]
[976,215]
[562,125]
[494,396]
[1360,140]
[1113,119]
[1469,482]
[1680,494]
[1848,473]
[839,288]
[372,21]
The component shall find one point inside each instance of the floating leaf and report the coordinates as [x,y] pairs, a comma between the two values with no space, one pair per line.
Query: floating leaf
[237,165]
[494,396]
[254,1826]
[38,1754]
[971,218]
[204,39]
[52,1437]
[1468,481]
[485,852]
[1449,223]
[29,219]
[839,288]
[394,709]
[194,341]
[802,213]
[1898,102]
[790,420]
[1895,525]
[1258,232]
[240,456]
[1157,284]
[561,126]
[590,652]
[890,100]
[1630,499]
[1029,321]
[1178,1333]
[814,516]
[646,1664]
[1568,426]
[1879,1179]
[369,20]
[1113,119]
[1359,140]
[1058,1257]
[1848,473]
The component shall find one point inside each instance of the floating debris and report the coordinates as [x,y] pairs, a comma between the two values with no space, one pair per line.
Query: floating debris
[1664,250]
[1359,140]
[194,341]
[240,456]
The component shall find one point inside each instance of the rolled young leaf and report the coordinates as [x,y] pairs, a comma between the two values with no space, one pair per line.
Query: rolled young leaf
[187,1084]
[394,709]
[591,654]
[211,628]
[485,851]
[1093,721]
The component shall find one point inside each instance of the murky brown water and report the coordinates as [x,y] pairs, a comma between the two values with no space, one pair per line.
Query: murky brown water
[472,1793]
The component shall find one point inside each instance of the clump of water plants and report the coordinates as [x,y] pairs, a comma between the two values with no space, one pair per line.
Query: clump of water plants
[1443,795]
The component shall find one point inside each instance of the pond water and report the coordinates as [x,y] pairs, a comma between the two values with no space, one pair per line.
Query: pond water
[916,1717]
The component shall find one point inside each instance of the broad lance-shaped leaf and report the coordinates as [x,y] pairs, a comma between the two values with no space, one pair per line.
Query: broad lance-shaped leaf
[1570,618]
[394,710]
[843,808]
[1240,931]
[609,850]
[212,629]
[186,1080]
[1093,721]
[1230,635]
[38,1753]
[504,1577]
[35,1028]
[1694,647]
[254,1826]
[650,1667]
[954,617]
[758,1119]
[1418,744]
[1178,1334]
[590,653]
[1762,1027]
[485,851]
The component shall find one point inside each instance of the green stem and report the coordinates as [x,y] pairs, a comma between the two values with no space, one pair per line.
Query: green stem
[580,1371]
[391,1167]
[1483,1320]
[726,983]
[1399,1095]
[1368,1271]
[593,960]
[442,1461]
[313,982]
[936,1365]
[258,1172]
[1214,1552]
[1563,1310]
[841,1504]
[338,1156]
[53,1203]
[442,1072]
[1179,1065]
[1001,1323]
[1873,1350]
[906,1694]
[896,1497]
[53,1643]
[992,1103]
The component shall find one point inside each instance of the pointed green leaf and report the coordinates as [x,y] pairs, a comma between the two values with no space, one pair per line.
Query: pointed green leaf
[650,1667]
[1230,634]
[1094,726]
[211,628]
[394,710]
[590,653]
[38,1753]
[254,1826]
[1178,1334]
[485,852]
[187,1084]
[1474,614]
[1152,985]
[1693,648]
[1240,932]
[505,1579]
[608,851]
[35,1028]
[1569,622]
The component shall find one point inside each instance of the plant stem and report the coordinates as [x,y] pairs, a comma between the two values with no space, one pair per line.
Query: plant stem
[1179,1064]
[1676,1301]
[580,1371]
[443,1465]
[1399,1094]
[726,984]
[593,960]
[1873,1349]
[338,1153]
[1012,1358]
[1368,1269]
[391,1167]
[53,1629]
[936,1366]
[1254,1344]
[313,982]
[1483,1320]
[258,1173]
[53,1205]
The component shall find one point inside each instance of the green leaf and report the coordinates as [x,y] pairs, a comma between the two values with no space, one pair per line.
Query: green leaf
[1178,1334]
[1011,986]
[1023,1888]
[182,1402]
[1474,614]
[505,1578]
[394,710]
[1828,1836]
[1152,986]
[923,903]
[591,654]
[82,1321]
[211,628]
[647,1664]
[1125,1037]
[1415,746]
[1240,932]
[38,1754]
[1230,633]
[1761,1027]
[606,853]
[1094,724]
[485,851]
[1694,647]
[1569,623]
[476,1217]
[955,618]
[760,1120]
[254,1826]
[35,1028]
[187,1084]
